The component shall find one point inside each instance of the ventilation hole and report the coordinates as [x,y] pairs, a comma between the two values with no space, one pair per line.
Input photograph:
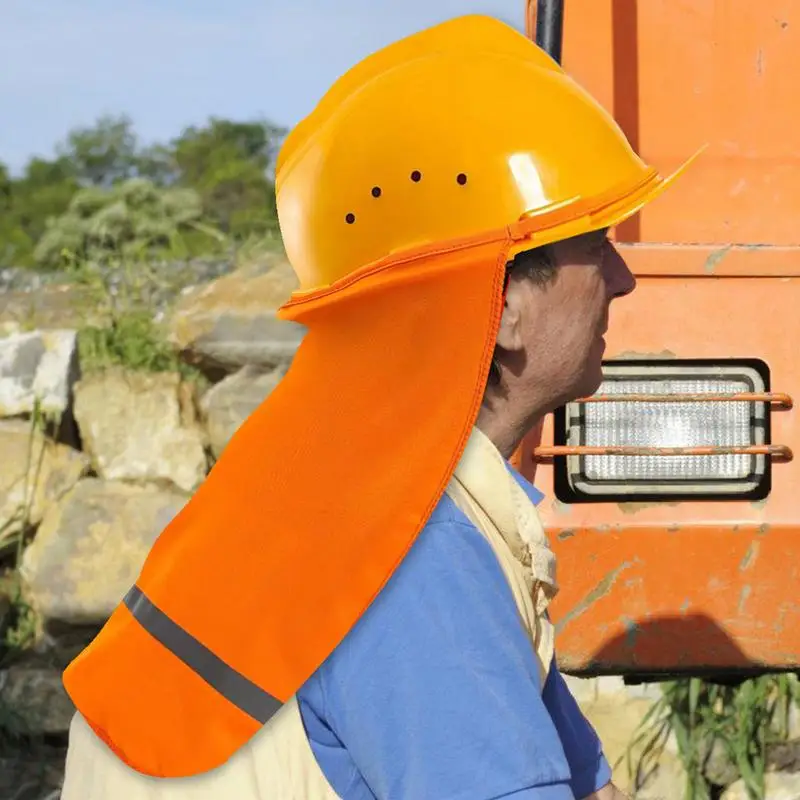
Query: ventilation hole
[416,176]
[461,178]
[350,219]
[376,191]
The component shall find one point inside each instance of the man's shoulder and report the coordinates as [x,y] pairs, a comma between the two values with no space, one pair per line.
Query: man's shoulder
[449,560]
[446,513]
[447,538]
[453,566]
[450,579]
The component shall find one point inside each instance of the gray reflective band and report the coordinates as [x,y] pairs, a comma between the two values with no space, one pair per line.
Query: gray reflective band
[233,686]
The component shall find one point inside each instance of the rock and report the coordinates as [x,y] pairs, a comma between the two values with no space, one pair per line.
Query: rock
[778,786]
[226,405]
[32,773]
[231,322]
[62,643]
[90,548]
[616,719]
[5,615]
[788,726]
[36,697]
[196,270]
[52,470]
[783,756]
[40,365]
[584,690]
[718,767]
[141,427]
[10,328]
[49,307]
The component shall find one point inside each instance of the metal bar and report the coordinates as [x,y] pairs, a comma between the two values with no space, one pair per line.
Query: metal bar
[782,400]
[550,27]
[777,451]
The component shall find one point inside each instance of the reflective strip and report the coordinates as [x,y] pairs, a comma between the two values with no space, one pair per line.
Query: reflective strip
[233,686]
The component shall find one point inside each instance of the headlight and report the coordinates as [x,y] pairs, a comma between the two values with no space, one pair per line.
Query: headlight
[667,409]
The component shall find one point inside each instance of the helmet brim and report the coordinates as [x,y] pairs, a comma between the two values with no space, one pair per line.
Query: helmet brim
[607,216]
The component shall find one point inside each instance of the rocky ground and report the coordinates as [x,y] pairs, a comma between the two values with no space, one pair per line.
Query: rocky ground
[92,493]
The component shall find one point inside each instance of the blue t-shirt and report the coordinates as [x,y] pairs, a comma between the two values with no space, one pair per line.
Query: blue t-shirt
[435,693]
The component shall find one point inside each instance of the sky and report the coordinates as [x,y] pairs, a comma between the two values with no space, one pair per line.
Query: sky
[173,63]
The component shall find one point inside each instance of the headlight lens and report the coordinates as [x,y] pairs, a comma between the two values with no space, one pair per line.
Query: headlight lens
[670,424]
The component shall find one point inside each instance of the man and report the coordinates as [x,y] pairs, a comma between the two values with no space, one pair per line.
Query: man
[437,685]
[354,604]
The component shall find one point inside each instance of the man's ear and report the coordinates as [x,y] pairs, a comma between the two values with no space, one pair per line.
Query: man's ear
[509,337]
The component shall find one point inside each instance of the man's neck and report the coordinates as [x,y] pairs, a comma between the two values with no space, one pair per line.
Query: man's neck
[504,426]
[504,439]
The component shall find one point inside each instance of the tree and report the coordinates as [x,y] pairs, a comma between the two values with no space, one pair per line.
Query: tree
[109,151]
[157,164]
[103,153]
[5,188]
[227,163]
[133,218]
[13,239]
[26,203]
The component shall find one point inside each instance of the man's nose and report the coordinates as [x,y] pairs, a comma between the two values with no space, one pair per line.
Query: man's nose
[619,279]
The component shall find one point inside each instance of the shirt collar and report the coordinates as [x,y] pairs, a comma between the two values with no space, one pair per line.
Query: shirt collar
[534,495]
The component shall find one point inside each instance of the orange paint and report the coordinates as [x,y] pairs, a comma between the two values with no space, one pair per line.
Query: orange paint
[712,585]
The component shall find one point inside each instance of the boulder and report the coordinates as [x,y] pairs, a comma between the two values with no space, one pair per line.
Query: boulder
[52,470]
[90,548]
[778,786]
[6,614]
[616,717]
[231,322]
[783,756]
[32,773]
[36,697]
[140,426]
[718,767]
[40,365]
[49,307]
[227,405]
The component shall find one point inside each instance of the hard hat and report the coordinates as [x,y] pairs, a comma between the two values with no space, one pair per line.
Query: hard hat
[454,131]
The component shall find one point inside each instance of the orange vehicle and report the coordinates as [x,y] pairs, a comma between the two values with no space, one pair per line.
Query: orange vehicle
[675,512]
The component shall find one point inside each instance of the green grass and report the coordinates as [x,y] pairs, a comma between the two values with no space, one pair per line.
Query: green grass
[743,720]
[14,532]
[20,622]
[119,291]
[131,340]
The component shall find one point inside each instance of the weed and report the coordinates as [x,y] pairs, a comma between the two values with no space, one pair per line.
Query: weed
[121,330]
[743,720]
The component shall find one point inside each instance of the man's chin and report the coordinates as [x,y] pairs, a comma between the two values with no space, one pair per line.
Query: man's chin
[585,386]
[591,382]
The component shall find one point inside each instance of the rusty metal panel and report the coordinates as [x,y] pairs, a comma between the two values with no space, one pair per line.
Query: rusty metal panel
[678,74]
[691,586]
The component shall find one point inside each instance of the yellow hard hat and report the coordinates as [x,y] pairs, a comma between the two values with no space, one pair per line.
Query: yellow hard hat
[459,129]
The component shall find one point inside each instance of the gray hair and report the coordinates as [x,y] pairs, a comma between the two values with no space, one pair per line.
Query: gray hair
[535,265]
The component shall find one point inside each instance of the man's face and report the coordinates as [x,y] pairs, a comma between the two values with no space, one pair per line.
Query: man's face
[552,335]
